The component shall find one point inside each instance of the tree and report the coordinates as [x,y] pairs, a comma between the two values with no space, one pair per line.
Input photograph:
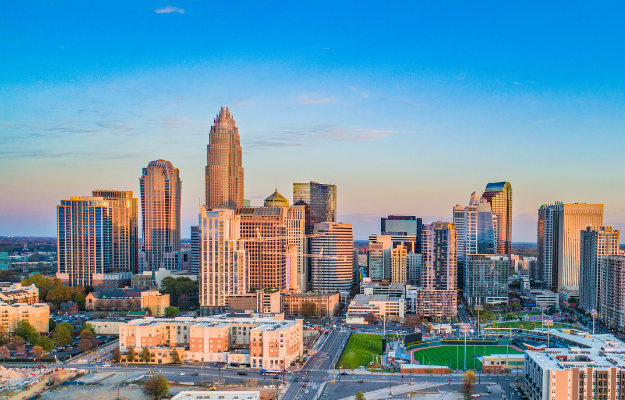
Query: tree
[79,299]
[412,321]
[175,357]
[17,344]
[370,318]
[116,355]
[156,387]
[183,302]
[58,294]
[360,396]
[46,344]
[4,335]
[51,324]
[309,309]
[63,334]
[130,354]
[172,312]
[24,329]
[84,345]
[468,382]
[429,327]
[87,326]
[145,355]
[33,339]
[37,352]
[4,353]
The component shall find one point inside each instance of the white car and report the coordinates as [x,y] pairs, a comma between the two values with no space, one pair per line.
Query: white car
[182,373]
[106,365]
[306,391]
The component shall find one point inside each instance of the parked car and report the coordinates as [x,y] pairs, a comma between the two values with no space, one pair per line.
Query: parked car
[241,373]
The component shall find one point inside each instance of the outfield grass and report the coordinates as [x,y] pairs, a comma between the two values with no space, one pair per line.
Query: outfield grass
[428,356]
[360,350]
[531,325]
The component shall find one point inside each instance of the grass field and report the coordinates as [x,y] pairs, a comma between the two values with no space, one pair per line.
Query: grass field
[429,356]
[531,325]
[360,349]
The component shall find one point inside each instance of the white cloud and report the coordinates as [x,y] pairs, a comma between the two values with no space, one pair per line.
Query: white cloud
[169,10]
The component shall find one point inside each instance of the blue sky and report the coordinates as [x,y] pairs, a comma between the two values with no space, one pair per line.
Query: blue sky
[408,107]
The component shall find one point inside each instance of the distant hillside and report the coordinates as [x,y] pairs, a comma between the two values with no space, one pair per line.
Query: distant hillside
[524,249]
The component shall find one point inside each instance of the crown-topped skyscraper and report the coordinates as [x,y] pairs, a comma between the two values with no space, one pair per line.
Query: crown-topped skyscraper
[224,170]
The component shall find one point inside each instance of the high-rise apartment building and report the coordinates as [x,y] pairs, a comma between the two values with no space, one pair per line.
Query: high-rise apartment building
[85,245]
[224,261]
[611,300]
[398,225]
[320,200]
[160,208]
[595,243]
[380,248]
[438,274]
[486,279]
[224,167]
[196,249]
[499,196]
[125,228]
[399,264]
[334,271]
[414,263]
[559,246]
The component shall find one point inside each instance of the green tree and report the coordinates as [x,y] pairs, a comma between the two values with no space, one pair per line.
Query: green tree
[85,345]
[308,309]
[175,357]
[79,298]
[59,293]
[34,338]
[116,355]
[360,396]
[130,354]
[24,329]
[63,334]
[172,312]
[145,356]
[46,343]
[468,383]
[156,387]
[87,326]
[51,324]
[42,283]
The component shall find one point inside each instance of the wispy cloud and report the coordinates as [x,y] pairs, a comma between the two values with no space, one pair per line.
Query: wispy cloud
[321,48]
[169,10]
[316,100]
[174,122]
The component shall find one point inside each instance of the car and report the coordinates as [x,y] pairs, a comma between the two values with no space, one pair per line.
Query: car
[361,381]
[489,390]
[181,374]
[303,385]
[196,374]
[296,380]
[214,364]
[241,373]
[325,393]
[306,380]
[343,373]
[306,391]
[106,365]
[475,395]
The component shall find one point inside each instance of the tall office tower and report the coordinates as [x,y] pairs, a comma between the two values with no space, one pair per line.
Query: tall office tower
[595,243]
[499,196]
[611,308]
[125,215]
[486,279]
[224,269]
[160,208]
[398,225]
[559,232]
[438,274]
[296,241]
[399,264]
[380,263]
[414,262]
[224,168]
[333,272]
[196,248]
[85,241]
[321,202]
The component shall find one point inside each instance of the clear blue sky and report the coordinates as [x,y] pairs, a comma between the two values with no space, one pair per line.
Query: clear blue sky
[407,107]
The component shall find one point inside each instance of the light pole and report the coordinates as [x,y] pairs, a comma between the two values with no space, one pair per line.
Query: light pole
[594,314]
[478,307]
[548,323]
[465,328]
[390,388]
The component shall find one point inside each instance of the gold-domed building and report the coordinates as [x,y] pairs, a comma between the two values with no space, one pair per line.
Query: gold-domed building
[276,200]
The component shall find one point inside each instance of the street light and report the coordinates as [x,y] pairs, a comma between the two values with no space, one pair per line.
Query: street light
[465,328]
[478,307]
[548,323]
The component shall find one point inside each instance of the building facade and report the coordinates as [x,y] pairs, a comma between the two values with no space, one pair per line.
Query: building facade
[334,270]
[403,225]
[224,260]
[595,243]
[399,264]
[499,196]
[438,274]
[160,210]
[224,164]
[16,293]
[486,279]
[320,200]
[611,307]
[327,303]
[38,315]
[194,257]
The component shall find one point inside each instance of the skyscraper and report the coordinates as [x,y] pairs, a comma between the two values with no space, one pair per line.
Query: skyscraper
[333,272]
[224,269]
[499,196]
[85,241]
[399,264]
[160,208]
[224,168]
[595,243]
[559,232]
[403,225]
[125,228]
[196,248]
[321,202]
[486,279]
[380,262]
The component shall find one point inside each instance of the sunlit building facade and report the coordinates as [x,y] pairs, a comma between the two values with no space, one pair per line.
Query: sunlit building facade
[334,271]
[486,279]
[320,200]
[160,210]
[499,196]
[224,166]
[595,243]
[399,264]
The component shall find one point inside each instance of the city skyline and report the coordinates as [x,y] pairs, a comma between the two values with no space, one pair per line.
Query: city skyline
[466,82]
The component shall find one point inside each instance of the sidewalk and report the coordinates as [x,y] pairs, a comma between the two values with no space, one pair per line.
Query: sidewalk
[385,393]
